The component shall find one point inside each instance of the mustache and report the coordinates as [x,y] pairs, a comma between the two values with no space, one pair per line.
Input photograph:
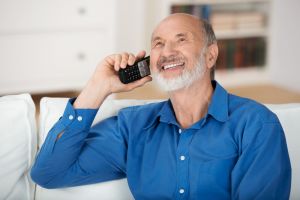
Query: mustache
[170,59]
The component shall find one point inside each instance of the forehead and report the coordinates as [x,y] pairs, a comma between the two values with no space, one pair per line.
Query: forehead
[174,26]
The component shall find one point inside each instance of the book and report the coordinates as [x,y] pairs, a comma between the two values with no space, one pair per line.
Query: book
[241,53]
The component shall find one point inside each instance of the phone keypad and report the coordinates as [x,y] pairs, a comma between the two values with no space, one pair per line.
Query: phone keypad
[135,72]
[132,74]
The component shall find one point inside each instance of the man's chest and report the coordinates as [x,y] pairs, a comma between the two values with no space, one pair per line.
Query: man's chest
[181,163]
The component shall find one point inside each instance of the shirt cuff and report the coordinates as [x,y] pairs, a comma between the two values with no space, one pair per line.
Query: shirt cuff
[79,118]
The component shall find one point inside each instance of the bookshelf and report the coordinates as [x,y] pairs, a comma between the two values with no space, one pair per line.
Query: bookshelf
[242,30]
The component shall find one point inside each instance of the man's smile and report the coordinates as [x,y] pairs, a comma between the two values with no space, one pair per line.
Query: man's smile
[172,65]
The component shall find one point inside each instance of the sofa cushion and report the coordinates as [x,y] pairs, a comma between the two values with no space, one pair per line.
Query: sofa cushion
[17,146]
[50,111]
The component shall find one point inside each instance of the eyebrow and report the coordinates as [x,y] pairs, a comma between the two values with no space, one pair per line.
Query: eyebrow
[181,35]
[155,38]
[177,35]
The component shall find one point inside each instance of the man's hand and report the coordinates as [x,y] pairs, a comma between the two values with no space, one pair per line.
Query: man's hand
[105,80]
[109,67]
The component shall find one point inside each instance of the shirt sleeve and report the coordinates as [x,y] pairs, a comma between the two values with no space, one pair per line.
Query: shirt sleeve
[82,155]
[263,170]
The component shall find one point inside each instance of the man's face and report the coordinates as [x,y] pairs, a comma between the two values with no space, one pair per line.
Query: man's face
[176,47]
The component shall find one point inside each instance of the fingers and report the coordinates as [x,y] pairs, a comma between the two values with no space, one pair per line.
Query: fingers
[131,59]
[117,61]
[122,60]
[107,69]
[140,55]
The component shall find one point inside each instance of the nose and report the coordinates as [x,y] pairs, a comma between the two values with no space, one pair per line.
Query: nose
[169,49]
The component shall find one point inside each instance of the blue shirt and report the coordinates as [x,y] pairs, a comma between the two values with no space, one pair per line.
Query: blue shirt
[237,151]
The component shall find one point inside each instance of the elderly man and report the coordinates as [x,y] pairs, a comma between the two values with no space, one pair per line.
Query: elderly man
[202,143]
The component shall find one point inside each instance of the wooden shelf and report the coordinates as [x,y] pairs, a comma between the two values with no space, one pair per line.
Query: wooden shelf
[244,33]
[243,76]
[266,93]
[211,2]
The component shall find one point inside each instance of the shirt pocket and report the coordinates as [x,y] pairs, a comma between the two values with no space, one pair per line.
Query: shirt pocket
[213,177]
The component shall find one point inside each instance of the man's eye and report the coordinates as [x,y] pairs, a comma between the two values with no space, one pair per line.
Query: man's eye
[158,44]
[181,39]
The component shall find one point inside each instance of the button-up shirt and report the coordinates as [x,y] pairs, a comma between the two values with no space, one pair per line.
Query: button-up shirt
[237,151]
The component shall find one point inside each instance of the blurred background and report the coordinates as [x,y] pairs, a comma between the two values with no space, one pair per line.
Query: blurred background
[51,47]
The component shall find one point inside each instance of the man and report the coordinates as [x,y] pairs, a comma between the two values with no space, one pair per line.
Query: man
[203,143]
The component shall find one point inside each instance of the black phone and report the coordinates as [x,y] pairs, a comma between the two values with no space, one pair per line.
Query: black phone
[135,72]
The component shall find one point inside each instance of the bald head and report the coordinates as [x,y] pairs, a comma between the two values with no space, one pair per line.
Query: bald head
[183,20]
[182,16]
[201,28]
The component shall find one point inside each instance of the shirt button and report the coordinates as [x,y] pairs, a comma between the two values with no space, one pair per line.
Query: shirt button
[79,118]
[182,157]
[181,190]
[71,117]
[179,131]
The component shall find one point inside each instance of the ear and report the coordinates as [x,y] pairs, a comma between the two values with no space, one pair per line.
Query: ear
[211,55]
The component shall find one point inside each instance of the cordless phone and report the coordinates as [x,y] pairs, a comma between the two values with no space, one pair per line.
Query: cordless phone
[135,72]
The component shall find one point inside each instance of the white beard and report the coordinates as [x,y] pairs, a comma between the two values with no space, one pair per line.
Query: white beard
[183,80]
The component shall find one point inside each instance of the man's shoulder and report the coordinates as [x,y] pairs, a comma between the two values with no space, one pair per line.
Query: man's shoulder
[250,109]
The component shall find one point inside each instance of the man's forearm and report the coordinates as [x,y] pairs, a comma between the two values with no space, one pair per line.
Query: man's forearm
[93,95]
[56,156]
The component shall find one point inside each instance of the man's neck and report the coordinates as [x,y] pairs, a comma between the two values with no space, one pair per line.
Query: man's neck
[191,104]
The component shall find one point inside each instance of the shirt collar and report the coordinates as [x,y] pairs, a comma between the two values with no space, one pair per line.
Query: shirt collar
[218,109]
[165,114]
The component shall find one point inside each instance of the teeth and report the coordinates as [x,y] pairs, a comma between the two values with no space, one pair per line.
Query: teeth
[171,65]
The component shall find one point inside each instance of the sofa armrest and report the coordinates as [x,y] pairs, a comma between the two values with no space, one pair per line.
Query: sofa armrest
[18,144]
[289,117]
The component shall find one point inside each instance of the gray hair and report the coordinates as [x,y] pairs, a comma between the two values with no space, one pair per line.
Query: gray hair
[209,39]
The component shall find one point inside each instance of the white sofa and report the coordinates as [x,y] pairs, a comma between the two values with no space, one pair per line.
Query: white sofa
[20,137]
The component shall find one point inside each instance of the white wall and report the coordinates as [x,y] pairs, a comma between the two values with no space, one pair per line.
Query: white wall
[136,20]
[130,26]
[156,10]
[285,44]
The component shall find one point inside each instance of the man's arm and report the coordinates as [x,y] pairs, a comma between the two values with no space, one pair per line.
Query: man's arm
[75,154]
[263,170]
